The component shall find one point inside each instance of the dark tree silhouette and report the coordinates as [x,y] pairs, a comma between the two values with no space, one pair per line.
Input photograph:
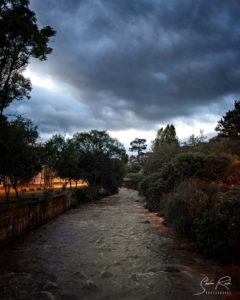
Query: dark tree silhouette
[165,136]
[138,145]
[20,39]
[19,153]
[229,125]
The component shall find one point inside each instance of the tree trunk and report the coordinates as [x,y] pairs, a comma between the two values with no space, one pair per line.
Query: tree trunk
[14,185]
[7,187]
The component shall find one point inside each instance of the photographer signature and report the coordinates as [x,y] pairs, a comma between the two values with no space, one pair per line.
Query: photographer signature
[208,285]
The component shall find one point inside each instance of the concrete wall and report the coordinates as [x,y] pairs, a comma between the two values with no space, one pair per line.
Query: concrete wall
[17,219]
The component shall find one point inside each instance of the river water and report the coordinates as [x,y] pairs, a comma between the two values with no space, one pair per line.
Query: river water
[112,249]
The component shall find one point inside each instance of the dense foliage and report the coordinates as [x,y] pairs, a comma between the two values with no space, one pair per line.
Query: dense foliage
[165,136]
[196,187]
[93,156]
[20,154]
[20,39]
[229,125]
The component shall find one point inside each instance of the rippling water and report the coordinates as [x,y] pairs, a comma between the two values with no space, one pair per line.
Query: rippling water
[113,249]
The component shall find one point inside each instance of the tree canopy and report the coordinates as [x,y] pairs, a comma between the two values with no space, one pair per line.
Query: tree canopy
[20,39]
[93,156]
[20,158]
[138,145]
[97,141]
[101,159]
[165,136]
[229,125]
[196,140]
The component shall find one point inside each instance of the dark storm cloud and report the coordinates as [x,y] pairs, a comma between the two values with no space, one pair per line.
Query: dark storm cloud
[131,63]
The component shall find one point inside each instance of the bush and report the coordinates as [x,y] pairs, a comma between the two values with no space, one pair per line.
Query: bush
[195,164]
[188,200]
[87,194]
[134,168]
[182,167]
[152,187]
[132,180]
[159,157]
[233,175]
[217,230]
[149,182]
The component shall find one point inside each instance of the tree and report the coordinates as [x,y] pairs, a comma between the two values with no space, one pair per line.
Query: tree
[165,136]
[101,160]
[52,155]
[138,145]
[96,142]
[19,153]
[196,140]
[20,39]
[68,164]
[229,125]
[93,156]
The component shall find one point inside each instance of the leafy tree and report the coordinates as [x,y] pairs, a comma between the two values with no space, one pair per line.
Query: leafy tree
[20,39]
[138,145]
[68,164]
[53,150]
[19,153]
[229,125]
[196,140]
[165,136]
[101,160]
[96,142]
[93,156]
[52,155]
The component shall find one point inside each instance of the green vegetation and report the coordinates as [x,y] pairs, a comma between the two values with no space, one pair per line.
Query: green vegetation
[138,145]
[196,186]
[165,136]
[20,158]
[229,125]
[132,180]
[92,156]
[20,39]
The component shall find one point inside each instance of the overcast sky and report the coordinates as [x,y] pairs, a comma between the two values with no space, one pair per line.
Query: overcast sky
[132,66]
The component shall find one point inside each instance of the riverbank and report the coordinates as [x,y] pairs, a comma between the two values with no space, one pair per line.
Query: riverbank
[19,217]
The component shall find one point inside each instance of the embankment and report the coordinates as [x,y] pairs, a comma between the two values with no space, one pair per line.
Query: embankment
[20,217]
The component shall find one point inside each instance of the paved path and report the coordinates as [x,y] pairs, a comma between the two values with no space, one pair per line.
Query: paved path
[106,250]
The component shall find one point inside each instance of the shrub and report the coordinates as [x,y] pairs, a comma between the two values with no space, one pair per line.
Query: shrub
[195,164]
[87,194]
[188,200]
[152,186]
[159,157]
[134,168]
[218,230]
[233,175]
[181,167]
[132,180]
[148,182]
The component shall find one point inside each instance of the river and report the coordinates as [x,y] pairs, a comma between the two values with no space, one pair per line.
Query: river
[111,249]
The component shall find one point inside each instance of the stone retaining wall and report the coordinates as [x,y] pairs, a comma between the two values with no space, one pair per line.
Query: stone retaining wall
[17,219]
